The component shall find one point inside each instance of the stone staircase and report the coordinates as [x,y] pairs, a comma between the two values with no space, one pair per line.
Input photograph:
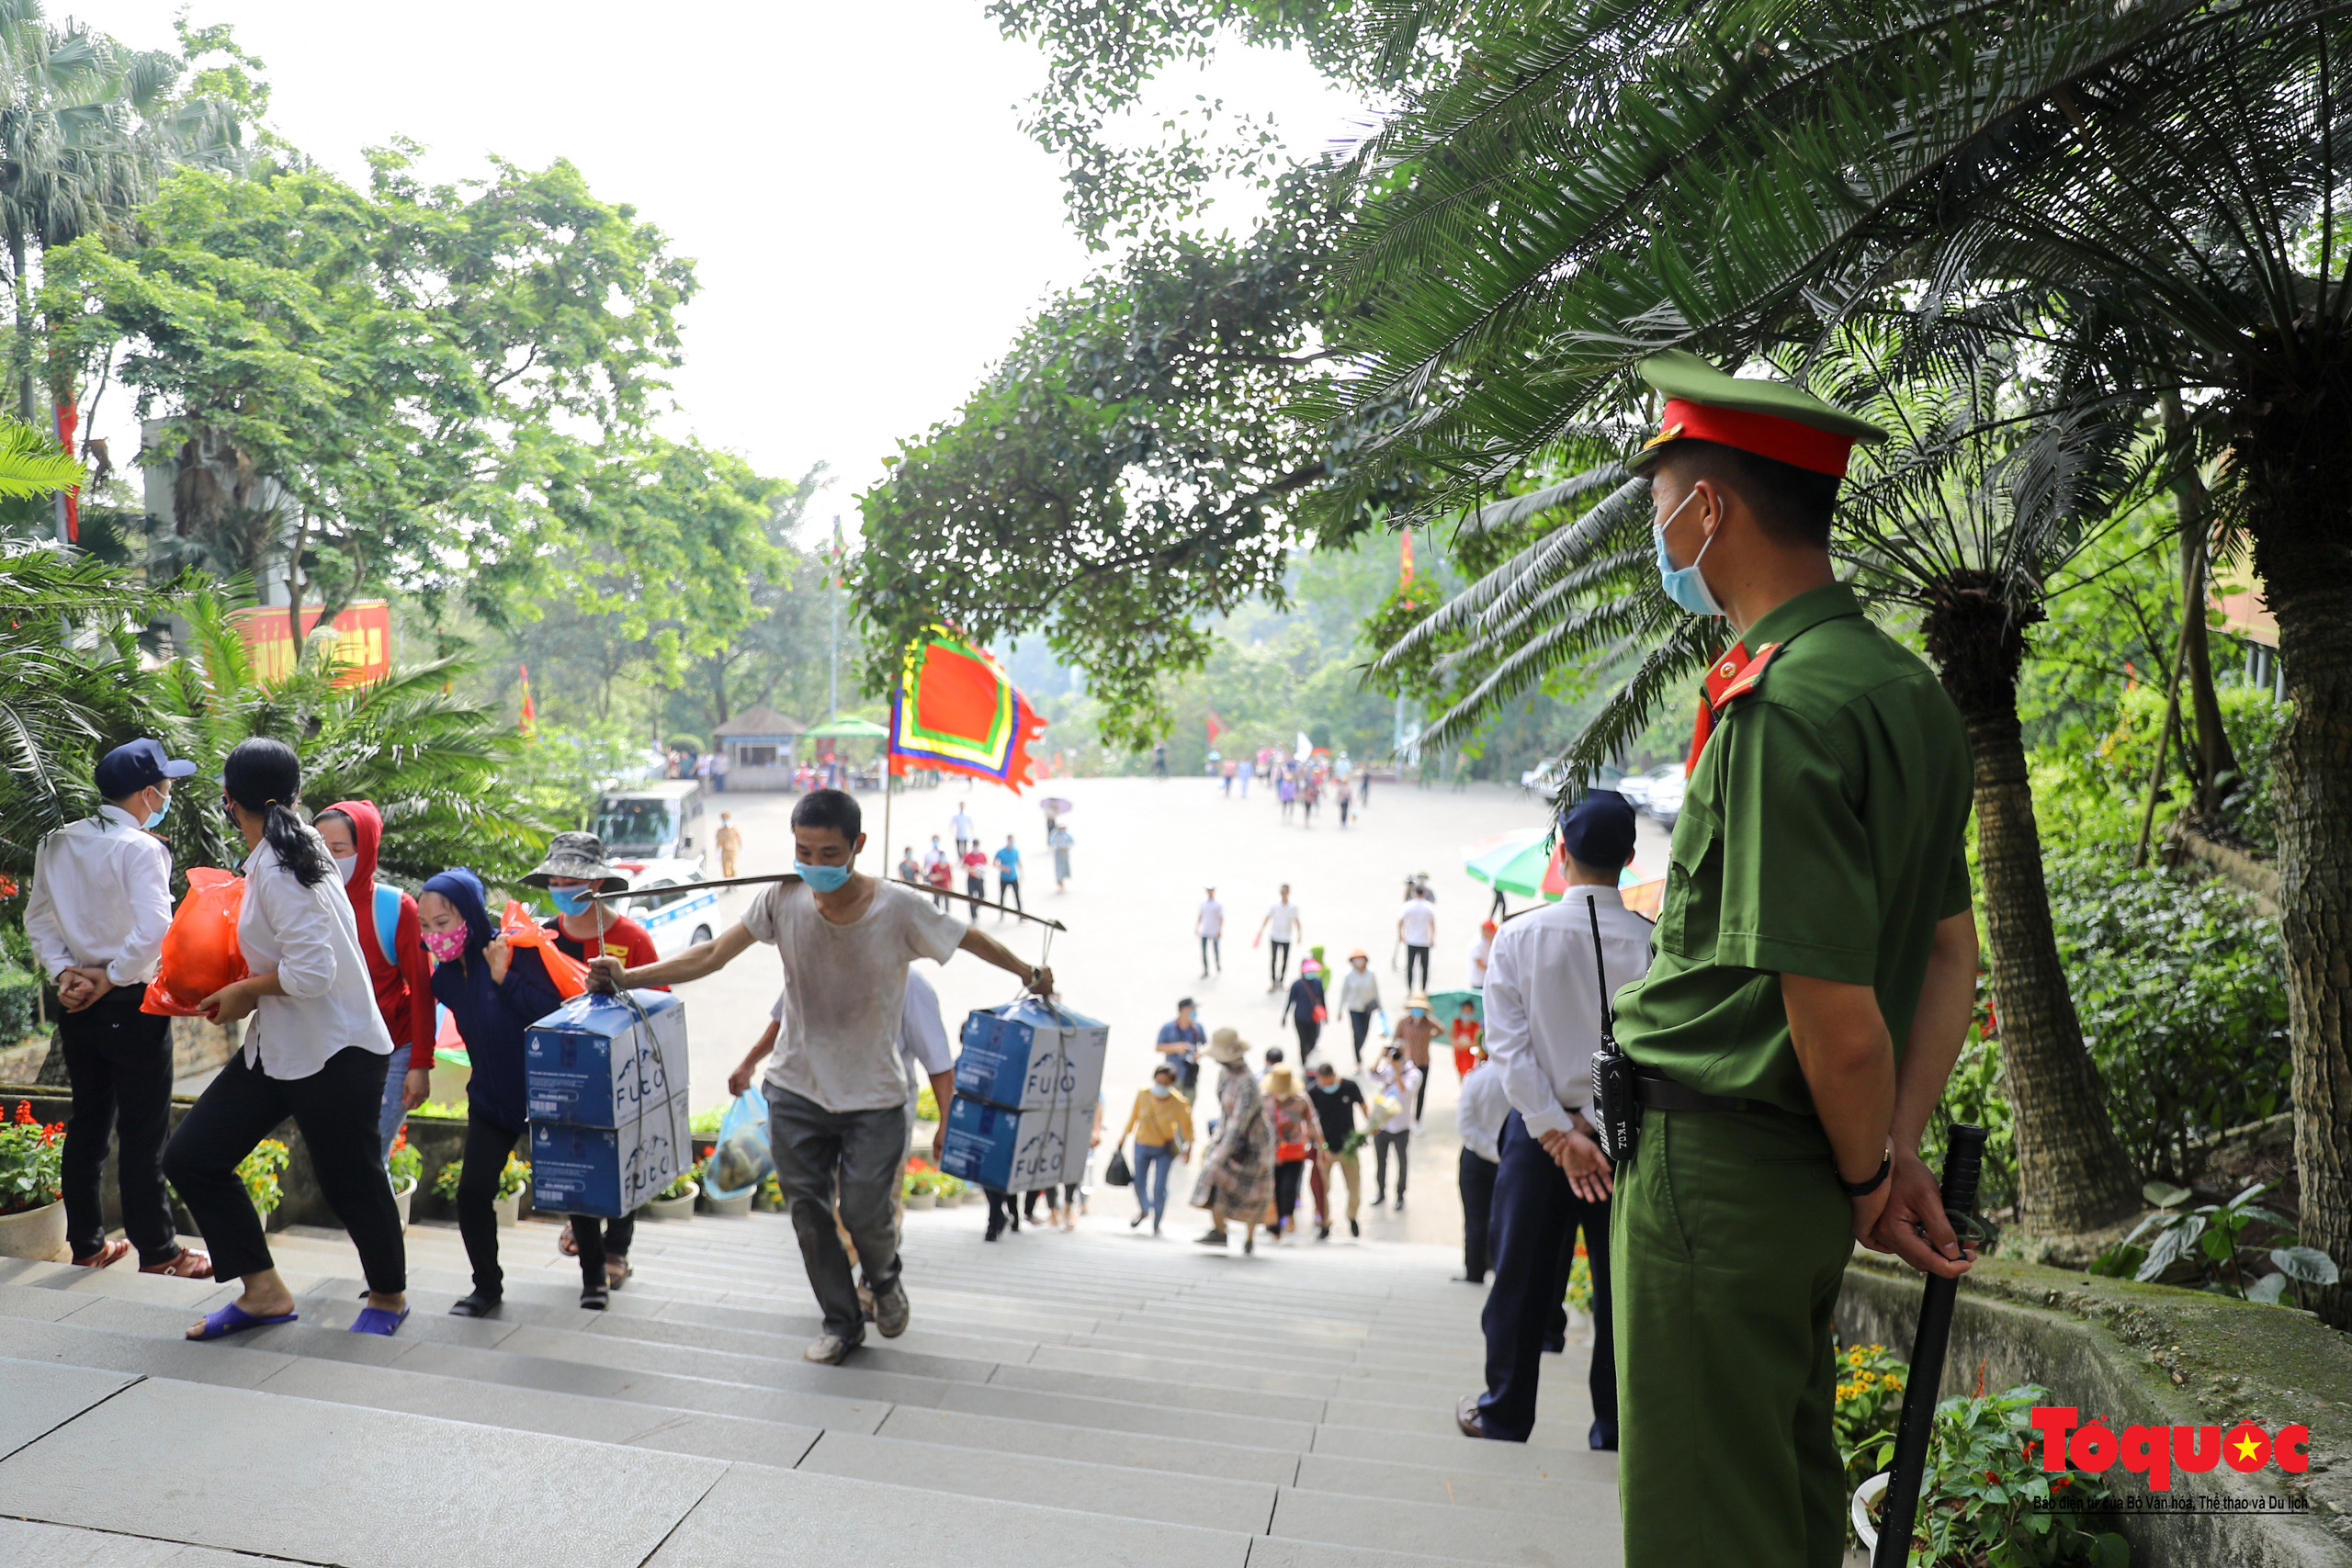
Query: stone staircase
[1078,1400]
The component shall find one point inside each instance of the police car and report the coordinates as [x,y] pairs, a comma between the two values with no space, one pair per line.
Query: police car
[668,900]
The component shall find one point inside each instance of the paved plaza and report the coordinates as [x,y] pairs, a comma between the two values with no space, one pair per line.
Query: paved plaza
[1146,848]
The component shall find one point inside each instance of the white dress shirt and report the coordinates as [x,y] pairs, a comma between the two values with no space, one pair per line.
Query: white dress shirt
[1481,1111]
[1544,999]
[1401,1081]
[101,897]
[308,936]
[1212,921]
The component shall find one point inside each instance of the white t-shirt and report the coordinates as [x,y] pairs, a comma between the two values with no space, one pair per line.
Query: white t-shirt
[1479,950]
[845,989]
[922,1034]
[1212,918]
[1282,923]
[1418,918]
[963,826]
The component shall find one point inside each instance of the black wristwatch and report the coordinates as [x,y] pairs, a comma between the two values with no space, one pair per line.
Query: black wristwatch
[1864,1189]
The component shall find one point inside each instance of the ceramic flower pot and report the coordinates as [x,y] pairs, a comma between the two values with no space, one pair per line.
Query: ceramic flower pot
[738,1205]
[922,1200]
[37,1233]
[673,1208]
[401,1197]
[509,1209]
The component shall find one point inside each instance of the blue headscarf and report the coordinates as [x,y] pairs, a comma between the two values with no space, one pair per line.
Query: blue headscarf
[463,889]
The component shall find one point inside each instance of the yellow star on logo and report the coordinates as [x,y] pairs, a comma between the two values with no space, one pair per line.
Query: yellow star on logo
[2247,1448]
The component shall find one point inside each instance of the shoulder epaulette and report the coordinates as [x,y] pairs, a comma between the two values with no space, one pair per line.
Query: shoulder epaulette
[1750,676]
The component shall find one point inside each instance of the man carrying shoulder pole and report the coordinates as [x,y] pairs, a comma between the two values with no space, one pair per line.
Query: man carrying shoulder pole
[835,1087]
[1812,979]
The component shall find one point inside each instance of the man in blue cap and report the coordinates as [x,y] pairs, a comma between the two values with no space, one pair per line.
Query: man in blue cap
[1544,1007]
[101,901]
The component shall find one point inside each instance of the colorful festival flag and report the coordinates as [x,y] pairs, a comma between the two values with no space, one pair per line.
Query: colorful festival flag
[1217,727]
[530,715]
[956,709]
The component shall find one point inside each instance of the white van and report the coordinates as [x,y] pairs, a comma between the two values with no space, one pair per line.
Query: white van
[658,820]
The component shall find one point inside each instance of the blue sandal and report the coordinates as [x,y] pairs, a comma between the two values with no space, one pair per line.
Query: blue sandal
[234,1319]
[375,1320]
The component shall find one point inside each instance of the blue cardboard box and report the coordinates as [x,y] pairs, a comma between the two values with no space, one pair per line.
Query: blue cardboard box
[591,1062]
[1012,1151]
[608,1171]
[1027,1056]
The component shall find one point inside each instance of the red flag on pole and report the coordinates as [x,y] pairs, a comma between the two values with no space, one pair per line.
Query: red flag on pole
[68,420]
[531,716]
[1217,727]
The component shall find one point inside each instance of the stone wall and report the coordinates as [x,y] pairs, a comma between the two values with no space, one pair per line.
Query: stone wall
[2155,1356]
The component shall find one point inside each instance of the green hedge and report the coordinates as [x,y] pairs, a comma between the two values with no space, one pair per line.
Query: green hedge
[19,1004]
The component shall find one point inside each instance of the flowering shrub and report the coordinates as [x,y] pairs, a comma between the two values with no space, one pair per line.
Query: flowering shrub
[511,1180]
[32,1157]
[259,1171]
[1580,1279]
[770,1198]
[405,1163]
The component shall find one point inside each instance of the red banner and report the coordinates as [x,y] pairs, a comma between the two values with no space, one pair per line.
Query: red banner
[362,635]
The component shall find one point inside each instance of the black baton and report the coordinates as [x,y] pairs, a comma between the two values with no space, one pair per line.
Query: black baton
[1964,1160]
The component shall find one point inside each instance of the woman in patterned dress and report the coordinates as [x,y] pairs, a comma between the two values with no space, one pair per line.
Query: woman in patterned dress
[1237,1174]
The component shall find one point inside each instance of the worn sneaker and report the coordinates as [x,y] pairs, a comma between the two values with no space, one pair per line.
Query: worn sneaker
[828,1349]
[891,1310]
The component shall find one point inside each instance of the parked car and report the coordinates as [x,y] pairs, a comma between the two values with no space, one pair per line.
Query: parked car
[668,901]
[1664,801]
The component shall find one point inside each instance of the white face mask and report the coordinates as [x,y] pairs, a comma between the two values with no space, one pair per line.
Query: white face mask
[348,865]
[1161,1090]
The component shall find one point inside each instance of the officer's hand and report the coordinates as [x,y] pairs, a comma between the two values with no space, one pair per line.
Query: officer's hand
[605,972]
[1910,1201]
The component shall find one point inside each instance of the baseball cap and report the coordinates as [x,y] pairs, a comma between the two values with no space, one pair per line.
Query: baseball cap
[131,768]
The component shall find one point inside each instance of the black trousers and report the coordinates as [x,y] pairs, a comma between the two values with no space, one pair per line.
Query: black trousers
[1288,1174]
[1212,949]
[1277,961]
[1008,893]
[1533,1229]
[336,1110]
[1361,1023]
[1309,1031]
[1413,956]
[487,1146]
[1477,1205]
[119,1060]
[1004,1209]
[1381,1144]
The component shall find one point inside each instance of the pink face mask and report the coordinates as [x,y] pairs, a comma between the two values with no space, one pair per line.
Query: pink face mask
[447,946]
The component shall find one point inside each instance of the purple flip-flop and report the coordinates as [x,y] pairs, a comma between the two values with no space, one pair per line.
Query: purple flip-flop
[375,1320]
[234,1319]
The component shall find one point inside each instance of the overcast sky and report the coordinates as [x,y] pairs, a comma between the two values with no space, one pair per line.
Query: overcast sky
[870,226]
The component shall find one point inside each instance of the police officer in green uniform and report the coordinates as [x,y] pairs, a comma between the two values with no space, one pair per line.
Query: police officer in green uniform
[1814,967]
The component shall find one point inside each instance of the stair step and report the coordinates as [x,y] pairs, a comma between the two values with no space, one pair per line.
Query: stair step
[43,1396]
[1119,1491]
[69,1545]
[1077,1410]
[1582,1487]
[1482,1535]
[1058,1442]
[138,1463]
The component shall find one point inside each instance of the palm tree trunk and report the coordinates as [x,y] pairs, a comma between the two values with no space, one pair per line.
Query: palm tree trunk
[2073,1174]
[2213,757]
[23,353]
[2292,422]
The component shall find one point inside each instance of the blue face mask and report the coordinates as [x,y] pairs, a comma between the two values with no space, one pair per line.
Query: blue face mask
[821,878]
[571,900]
[155,819]
[1682,583]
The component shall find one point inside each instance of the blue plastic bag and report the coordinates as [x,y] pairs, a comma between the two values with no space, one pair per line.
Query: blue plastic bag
[741,1158]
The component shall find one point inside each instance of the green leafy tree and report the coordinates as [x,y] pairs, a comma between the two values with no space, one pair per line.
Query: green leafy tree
[2164,175]
[380,386]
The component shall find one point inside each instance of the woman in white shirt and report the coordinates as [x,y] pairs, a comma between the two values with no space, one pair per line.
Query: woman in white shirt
[316,1050]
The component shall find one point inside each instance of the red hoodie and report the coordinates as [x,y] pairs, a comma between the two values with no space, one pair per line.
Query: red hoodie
[403,990]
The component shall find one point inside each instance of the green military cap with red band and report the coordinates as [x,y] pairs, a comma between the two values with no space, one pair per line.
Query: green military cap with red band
[1771,419]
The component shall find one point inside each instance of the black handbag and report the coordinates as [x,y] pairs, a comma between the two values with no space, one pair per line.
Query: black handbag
[1119,1175]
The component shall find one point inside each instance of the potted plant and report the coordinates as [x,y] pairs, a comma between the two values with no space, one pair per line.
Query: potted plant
[259,1171]
[734,1205]
[676,1201]
[920,1190]
[514,1183]
[769,1199]
[404,1165]
[32,1207]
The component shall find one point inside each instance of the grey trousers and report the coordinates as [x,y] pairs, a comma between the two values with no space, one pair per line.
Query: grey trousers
[858,1155]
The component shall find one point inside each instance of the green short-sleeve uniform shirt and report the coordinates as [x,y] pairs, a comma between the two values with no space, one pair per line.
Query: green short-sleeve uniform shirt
[1821,835]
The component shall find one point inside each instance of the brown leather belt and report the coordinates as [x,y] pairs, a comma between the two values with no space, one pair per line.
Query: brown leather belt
[1655,1089]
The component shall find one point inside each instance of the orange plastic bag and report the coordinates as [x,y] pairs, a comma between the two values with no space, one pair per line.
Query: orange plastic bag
[200,953]
[571,976]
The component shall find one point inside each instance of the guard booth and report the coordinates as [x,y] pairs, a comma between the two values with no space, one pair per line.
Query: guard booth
[761,747]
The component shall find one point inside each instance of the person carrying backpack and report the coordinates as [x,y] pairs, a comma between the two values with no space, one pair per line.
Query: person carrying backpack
[398,966]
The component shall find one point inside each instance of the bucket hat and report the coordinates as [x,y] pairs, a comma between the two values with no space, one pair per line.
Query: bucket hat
[1227,1047]
[580,855]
